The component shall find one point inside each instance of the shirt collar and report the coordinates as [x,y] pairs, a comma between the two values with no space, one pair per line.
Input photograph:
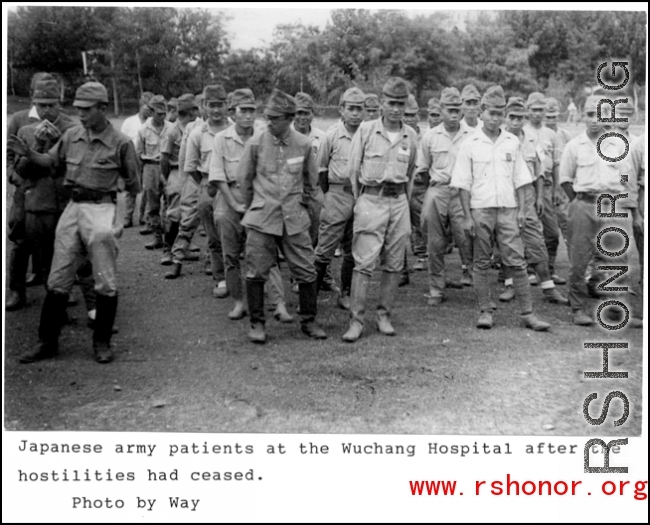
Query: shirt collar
[231,133]
[33,113]
[343,131]
[284,139]
[105,136]
[381,129]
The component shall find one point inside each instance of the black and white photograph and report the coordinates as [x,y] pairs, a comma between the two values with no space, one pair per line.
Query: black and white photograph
[296,220]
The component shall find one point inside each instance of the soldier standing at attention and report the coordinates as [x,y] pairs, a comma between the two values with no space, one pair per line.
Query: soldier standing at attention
[170,144]
[278,178]
[585,176]
[198,197]
[130,128]
[434,118]
[470,97]
[532,232]
[90,157]
[147,148]
[490,173]
[224,162]
[373,109]
[338,207]
[562,138]
[442,210]
[546,147]
[382,160]
[44,197]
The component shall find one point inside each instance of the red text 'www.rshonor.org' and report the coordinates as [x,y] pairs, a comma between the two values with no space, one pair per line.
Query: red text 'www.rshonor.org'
[512,487]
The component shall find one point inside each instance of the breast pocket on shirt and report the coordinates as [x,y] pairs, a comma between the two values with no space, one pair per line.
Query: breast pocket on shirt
[231,166]
[480,161]
[440,158]
[73,166]
[294,165]
[105,169]
[151,145]
[374,165]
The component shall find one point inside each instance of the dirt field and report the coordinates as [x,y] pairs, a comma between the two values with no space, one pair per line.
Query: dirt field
[181,365]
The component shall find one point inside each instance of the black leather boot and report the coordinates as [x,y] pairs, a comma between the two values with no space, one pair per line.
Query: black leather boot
[106,311]
[53,316]
[255,297]
[307,298]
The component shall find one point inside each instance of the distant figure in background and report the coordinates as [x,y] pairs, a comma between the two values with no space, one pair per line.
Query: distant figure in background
[572,110]
[434,116]
[130,128]
[172,110]
[371,104]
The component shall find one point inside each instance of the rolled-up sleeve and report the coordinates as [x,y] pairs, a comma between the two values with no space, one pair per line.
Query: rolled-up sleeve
[324,154]
[521,174]
[568,164]
[193,150]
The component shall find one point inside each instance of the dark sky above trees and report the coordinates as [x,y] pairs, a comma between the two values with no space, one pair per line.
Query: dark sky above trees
[172,51]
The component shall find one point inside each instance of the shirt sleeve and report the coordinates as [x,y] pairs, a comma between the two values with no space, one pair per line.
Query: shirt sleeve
[354,162]
[310,176]
[193,151]
[461,177]
[521,173]
[217,171]
[139,143]
[568,165]
[424,160]
[324,154]
[246,171]
[130,168]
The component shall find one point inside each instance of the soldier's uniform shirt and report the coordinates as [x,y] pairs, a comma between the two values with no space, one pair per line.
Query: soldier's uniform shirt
[149,138]
[338,205]
[442,211]
[170,144]
[93,163]
[546,147]
[592,176]
[278,181]
[382,224]
[199,149]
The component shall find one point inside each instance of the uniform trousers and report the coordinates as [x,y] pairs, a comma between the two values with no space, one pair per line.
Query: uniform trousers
[442,215]
[154,189]
[173,190]
[382,227]
[550,223]
[418,227]
[336,224]
[85,228]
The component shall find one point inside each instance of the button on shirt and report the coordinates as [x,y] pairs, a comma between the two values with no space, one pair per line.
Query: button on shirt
[374,159]
[491,171]
[228,148]
[278,181]
[170,142]
[97,163]
[582,166]
[546,147]
[437,152]
[334,154]
[147,145]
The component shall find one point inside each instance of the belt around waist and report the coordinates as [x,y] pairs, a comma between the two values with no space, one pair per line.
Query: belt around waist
[587,197]
[345,187]
[387,189]
[150,161]
[92,196]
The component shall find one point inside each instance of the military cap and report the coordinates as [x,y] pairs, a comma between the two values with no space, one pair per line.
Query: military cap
[46,92]
[536,100]
[626,108]
[173,102]
[145,98]
[450,98]
[89,94]
[412,105]
[494,97]
[433,106]
[198,100]
[552,107]
[243,98]
[279,104]
[187,102]
[470,93]
[371,101]
[37,77]
[516,106]
[396,87]
[214,92]
[353,95]
[304,101]
[157,103]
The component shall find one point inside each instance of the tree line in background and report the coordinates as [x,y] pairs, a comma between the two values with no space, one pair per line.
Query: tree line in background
[173,51]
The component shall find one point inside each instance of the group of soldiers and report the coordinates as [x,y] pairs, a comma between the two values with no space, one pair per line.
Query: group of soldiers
[489,173]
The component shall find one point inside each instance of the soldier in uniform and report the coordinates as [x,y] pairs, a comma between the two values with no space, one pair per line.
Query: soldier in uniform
[130,128]
[382,160]
[172,110]
[546,147]
[147,148]
[585,176]
[44,198]
[337,212]
[90,157]
[373,109]
[198,197]
[170,144]
[470,97]
[637,158]
[442,211]
[490,173]
[278,178]
[625,110]
[434,117]
[532,231]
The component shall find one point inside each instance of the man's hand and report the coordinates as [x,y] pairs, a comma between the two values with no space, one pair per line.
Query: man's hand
[18,146]
[468,226]
[521,218]
[539,205]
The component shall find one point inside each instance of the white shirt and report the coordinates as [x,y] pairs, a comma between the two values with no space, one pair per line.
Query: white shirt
[131,126]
